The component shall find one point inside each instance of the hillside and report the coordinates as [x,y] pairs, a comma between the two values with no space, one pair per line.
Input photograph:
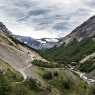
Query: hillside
[11,82]
[24,72]
[73,52]
[83,31]
[75,47]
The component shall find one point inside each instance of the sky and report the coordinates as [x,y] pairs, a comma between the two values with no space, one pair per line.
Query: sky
[45,18]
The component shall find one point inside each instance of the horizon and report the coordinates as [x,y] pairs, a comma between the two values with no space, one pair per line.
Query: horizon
[50,19]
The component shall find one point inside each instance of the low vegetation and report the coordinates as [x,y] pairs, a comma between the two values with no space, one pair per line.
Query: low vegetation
[73,52]
[47,64]
[88,65]
[11,82]
[58,81]
[61,80]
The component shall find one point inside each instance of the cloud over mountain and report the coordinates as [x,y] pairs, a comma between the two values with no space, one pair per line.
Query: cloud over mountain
[45,18]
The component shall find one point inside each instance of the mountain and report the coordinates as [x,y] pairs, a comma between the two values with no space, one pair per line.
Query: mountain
[37,44]
[24,72]
[4,29]
[33,43]
[48,42]
[85,30]
[77,46]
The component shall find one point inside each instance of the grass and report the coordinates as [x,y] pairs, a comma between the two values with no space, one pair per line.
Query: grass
[87,66]
[47,64]
[9,86]
[5,39]
[73,52]
[68,85]
[9,73]
[63,81]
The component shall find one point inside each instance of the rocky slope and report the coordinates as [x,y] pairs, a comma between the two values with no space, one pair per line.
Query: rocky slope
[85,30]
[17,55]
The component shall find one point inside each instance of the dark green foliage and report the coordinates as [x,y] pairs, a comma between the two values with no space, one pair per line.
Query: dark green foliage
[93,91]
[73,52]
[66,84]
[4,87]
[87,66]
[33,84]
[46,64]
[48,76]
[55,73]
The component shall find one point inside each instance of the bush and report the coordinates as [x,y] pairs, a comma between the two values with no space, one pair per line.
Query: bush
[48,76]
[87,66]
[46,64]
[33,84]
[55,73]
[66,84]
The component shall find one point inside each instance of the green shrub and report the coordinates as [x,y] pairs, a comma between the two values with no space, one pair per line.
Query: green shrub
[66,84]
[87,66]
[46,64]
[48,76]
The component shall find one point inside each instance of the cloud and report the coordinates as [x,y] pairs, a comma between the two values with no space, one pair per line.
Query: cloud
[45,18]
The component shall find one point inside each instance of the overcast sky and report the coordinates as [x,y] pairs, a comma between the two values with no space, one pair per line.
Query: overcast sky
[45,18]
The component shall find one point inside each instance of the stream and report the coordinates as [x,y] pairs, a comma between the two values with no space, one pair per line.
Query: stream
[82,76]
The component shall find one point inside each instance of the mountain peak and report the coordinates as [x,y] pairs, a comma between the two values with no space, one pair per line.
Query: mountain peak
[3,28]
[85,30]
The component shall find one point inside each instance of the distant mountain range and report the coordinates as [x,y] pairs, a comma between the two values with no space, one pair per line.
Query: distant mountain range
[44,43]
[85,30]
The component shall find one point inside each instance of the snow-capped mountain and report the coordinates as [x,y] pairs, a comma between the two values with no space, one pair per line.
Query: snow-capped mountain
[44,43]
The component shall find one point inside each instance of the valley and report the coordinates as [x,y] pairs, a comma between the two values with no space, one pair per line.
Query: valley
[65,69]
